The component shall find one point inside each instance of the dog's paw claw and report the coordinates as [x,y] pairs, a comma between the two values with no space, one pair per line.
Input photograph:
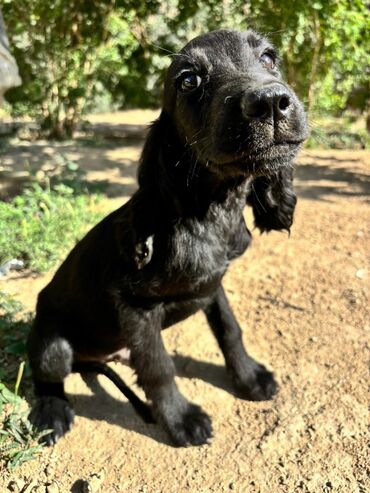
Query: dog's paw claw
[52,413]
[194,428]
[260,385]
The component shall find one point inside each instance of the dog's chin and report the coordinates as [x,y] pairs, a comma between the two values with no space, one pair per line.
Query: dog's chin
[257,162]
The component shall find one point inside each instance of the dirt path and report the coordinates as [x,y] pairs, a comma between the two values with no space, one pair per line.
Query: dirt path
[303,304]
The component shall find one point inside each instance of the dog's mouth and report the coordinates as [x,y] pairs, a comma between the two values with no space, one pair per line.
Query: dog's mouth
[272,155]
[277,150]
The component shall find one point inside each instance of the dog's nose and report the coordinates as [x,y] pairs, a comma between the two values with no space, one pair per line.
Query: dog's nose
[269,102]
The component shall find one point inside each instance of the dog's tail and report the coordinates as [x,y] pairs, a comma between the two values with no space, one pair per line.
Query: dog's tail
[140,407]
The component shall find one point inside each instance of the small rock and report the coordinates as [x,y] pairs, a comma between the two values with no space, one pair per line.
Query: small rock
[40,489]
[52,488]
[13,264]
[95,482]
[30,487]
[360,273]
[16,485]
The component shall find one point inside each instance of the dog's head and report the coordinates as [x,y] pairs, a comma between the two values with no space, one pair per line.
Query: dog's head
[228,104]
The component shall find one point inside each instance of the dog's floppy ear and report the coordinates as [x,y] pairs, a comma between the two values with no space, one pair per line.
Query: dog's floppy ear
[136,227]
[160,150]
[160,168]
[273,200]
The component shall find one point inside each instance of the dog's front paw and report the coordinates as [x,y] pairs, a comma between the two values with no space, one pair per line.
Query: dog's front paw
[258,384]
[190,426]
[52,413]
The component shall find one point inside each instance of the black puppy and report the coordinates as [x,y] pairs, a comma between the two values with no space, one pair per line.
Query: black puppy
[227,135]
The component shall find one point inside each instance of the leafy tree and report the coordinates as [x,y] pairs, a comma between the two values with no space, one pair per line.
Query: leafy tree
[58,46]
[71,53]
[324,44]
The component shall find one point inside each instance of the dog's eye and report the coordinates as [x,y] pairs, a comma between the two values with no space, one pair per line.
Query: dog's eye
[190,81]
[268,60]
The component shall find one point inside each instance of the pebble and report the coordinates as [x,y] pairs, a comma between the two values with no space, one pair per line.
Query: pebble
[52,488]
[30,487]
[92,485]
[16,485]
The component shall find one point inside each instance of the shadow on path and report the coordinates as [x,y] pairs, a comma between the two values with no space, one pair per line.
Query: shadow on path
[321,177]
[102,406]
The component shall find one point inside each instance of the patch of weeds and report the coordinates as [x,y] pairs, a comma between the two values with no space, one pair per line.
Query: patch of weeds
[14,327]
[40,225]
[19,441]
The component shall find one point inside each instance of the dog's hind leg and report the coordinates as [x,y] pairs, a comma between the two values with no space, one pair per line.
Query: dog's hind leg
[51,358]
[251,379]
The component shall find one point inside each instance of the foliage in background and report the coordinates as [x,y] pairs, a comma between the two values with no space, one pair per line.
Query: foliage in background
[57,45]
[345,132]
[74,56]
[324,44]
[42,223]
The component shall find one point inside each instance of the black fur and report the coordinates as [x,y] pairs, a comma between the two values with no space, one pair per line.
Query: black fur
[229,138]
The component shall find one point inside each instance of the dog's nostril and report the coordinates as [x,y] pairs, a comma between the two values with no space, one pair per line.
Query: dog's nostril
[284,102]
[257,109]
[269,103]
[262,108]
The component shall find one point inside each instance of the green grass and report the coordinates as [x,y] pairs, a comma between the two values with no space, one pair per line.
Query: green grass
[14,328]
[40,225]
[18,438]
[19,441]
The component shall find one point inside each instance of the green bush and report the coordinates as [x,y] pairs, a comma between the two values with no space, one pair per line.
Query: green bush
[71,54]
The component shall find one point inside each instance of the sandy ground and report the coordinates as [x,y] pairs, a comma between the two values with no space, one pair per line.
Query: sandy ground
[303,302]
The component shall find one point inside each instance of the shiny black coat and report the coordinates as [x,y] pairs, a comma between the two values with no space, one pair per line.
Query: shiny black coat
[227,141]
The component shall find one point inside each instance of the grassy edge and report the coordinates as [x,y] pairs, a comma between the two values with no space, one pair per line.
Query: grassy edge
[19,440]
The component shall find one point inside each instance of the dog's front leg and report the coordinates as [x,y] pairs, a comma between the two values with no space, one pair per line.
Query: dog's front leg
[251,379]
[185,422]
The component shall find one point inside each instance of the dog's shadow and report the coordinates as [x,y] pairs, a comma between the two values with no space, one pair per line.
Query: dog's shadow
[102,406]
[216,375]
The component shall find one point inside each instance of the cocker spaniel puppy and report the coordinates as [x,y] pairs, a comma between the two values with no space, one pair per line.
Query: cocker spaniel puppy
[227,135]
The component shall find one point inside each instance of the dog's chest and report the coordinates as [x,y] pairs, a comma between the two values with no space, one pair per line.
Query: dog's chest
[200,251]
